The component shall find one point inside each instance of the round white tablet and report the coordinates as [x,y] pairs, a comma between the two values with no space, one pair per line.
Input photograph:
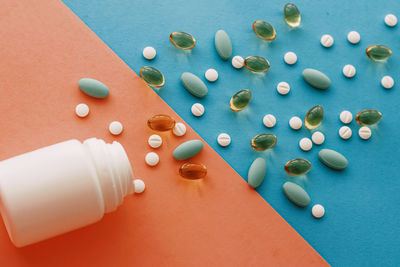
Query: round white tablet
[139,186]
[237,62]
[318,138]
[155,141]
[149,52]
[353,37]
[152,159]
[295,123]
[346,116]
[224,139]
[364,132]
[82,110]
[115,128]
[305,144]
[390,20]
[318,211]
[290,58]
[269,120]
[345,132]
[283,88]
[327,40]
[211,75]
[387,82]
[349,71]
[179,129]
[197,109]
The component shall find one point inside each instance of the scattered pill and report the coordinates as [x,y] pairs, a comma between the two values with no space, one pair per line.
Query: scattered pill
[295,123]
[387,82]
[256,173]
[349,71]
[346,116]
[182,40]
[318,138]
[297,167]
[155,141]
[237,62]
[368,117]
[305,144]
[283,88]
[188,149]
[269,120]
[296,194]
[115,128]
[390,20]
[240,100]
[263,142]
[314,117]
[364,132]
[353,37]
[290,58]
[256,64]
[152,76]
[316,79]
[345,132]
[193,171]
[161,123]
[332,159]
[194,85]
[224,139]
[318,211]
[152,159]
[211,75]
[378,52]
[179,129]
[197,109]
[291,14]
[149,53]
[139,186]
[93,88]
[82,110]
[223,44]
[327,40]
[264,30]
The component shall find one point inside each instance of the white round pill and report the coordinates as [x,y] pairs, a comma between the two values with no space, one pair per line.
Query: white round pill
[353,37]
[283,88]
[149,52]
[318,138]
[139,186]
[390,20]
[387,82]
[197,109]
[82,110]
[115,128]
[237,62]
[349,71]
[155,141]
[305,144]
[346,116]
[318,211]
[152,159]
[179,129]
[269,120]
[290,58]
[224,139]
[295,123]
[364,132]
[327,40]
[211,75]
[345,132]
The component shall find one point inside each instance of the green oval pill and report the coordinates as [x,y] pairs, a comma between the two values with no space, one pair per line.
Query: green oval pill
[188,149]
[257,172]
[333,159]
[316,79]
[223,44]
[93,88]
[296,194]
[194,85]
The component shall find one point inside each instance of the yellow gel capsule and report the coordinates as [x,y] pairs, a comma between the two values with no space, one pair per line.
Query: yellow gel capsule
[263,142]
[378,52]
[193,171]
[182,40]
[314,117]
[161,123]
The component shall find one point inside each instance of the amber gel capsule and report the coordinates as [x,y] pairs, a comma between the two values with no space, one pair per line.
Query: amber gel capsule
[193,171]
[161,123]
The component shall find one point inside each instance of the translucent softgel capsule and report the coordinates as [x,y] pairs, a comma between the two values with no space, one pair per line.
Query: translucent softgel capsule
[368,117]
[291,15]
[152,76]
[161,123]
[314,117]
[263,142]
[182,40]
[264,30]
[240,100]
[297,167]
[193,171]
[378,52]
[256,64]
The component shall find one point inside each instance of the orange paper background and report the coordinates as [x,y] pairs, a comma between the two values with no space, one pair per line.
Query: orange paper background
[45,49]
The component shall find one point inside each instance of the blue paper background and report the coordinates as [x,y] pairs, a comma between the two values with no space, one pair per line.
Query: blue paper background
[361,225]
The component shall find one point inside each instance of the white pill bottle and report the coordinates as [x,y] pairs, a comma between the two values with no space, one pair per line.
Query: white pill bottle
[62,187]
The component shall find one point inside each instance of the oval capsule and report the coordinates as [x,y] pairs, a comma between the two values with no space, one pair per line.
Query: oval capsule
[316,79]
[264,30]
[182,40]
[296,194]
[93,88]
[161,123]
[152,76]
[188,149]
[368,117]
[291,14]
[194,85]
[297,167]
[257,172]
[263,142]
[314,117]
[193,171]
[378,52]
[223,44]
[240,100]
[256,64]
[333,159]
